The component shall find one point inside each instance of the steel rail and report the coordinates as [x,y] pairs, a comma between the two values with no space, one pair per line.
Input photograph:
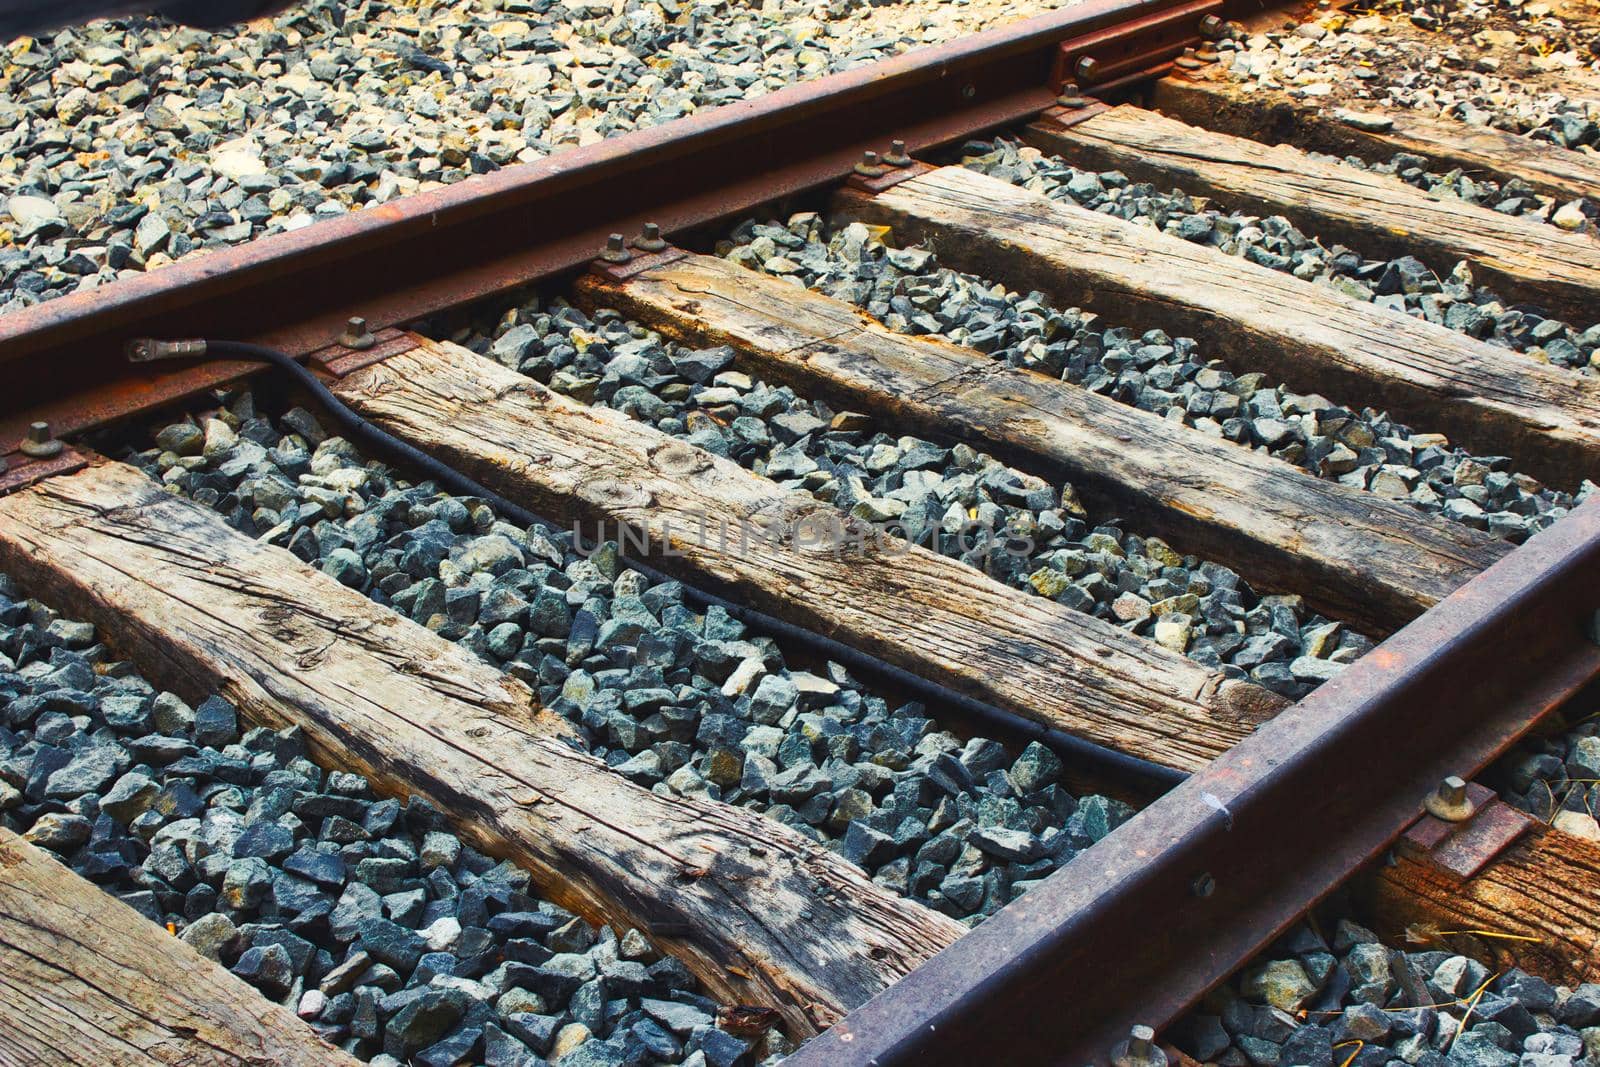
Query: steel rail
[1138,927]
[417,255]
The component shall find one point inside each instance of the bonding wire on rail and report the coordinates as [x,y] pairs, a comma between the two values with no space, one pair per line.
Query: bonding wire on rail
[376,440]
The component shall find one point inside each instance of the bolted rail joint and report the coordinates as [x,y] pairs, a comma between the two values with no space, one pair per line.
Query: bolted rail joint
[1449,801]
[148,350]
[1140,1050]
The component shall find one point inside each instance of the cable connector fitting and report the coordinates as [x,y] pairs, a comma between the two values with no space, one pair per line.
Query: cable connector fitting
[148,350]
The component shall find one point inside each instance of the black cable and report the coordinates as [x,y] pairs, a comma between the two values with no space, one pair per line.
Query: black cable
[376,440]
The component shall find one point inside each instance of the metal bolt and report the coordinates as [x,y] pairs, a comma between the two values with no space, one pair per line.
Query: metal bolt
[1140,1050]
[870,166]
[1591,628]
[969,91]
[1449,801]
[649,239]
[1140,1040]
[40,443]
[356,335]
[897,156]
[1212,27]
[1071,97]
[616,250]
[1203,886]
[1187,61]
[1087,67]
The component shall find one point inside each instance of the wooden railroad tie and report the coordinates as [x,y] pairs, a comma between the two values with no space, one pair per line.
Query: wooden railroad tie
[1305,335]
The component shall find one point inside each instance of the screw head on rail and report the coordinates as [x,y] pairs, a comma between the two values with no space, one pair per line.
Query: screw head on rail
[1086,69]
[1212,27]
[1449,801]
[1071,98]
[616,250]
[649,239]
[897,155]
[1140,1050]
[1187,61]
[40,443]
[1203,886]
[356,335]
[870,166]
[1591,628]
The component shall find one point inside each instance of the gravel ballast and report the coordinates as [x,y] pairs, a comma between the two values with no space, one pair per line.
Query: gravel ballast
[678,701]
[127,144]
[366,916]
[1499,63]
[1346,1000]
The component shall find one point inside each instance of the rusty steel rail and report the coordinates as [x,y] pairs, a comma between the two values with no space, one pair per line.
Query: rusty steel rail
[396,262]
[1138,927]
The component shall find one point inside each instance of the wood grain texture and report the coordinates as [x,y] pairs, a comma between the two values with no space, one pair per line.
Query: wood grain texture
[1546,887]
[1307,336]
[1523,260]
[922,611]
[1218,103]
[85,979]
[759,913]
[1356,556]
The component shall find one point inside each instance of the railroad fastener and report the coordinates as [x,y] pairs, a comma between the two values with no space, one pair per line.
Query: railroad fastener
[1140,1050]
[356,335]
[1187,61]
[1203,886]
[1449,801]
[1591,628]
[1086,68]
[1070,97]
[650,239]
[1212,27]
[897,155]
[870,166]
[40,442]
[616,250]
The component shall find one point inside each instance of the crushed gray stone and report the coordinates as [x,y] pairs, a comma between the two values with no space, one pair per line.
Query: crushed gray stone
[366,916]
[128,144]
[1353,1002]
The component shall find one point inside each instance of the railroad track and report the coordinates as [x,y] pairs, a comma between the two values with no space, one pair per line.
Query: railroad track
[1251,813]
